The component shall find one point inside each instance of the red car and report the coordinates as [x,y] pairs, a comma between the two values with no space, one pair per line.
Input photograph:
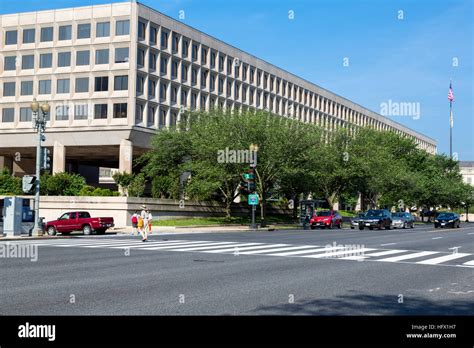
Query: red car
[78,221]
[326,218]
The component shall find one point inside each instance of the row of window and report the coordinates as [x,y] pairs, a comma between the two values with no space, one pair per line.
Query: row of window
[122,27]
[64,59]
[101,84]
[62,112]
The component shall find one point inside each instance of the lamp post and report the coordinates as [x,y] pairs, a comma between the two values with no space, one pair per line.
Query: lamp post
[253,156]
[39,124]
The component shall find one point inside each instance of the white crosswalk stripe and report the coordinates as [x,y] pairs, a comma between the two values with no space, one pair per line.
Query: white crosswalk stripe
[434,258]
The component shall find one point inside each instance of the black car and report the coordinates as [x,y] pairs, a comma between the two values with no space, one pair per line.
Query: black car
[447,220]
[377,218]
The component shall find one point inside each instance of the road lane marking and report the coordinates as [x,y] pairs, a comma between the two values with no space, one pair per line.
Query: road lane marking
[409,256]
[279,249]
[469,263]
[437,238]
[133,245]
[220,248]
[440,259]
[300,252]
[388,244]
[240,250]
[338,253]
[209,244]
[189,246]
[384,253]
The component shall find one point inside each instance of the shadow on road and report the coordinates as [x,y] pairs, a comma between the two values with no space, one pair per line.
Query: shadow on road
[371,305]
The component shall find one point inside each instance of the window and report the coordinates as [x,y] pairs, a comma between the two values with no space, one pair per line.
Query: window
[83,57]
[142,30]
[151,116]
[173,118]
[244,72]
[184,72]
[9,89]
[26,115]
[221,85]
[121,55]
[194,74]
[203,101]
[102,29]
[101,84]
[26,88]
[174,69]
[252,73]
[84,31]
[221,62]
[10,63]
[204,56]
[122,27]
[185,48]
[81,111]
[153,35]
[163,88]
[46,34]
[163,65]
[141,57]
[152,63]
[229,88]
[139,113]
[63,86]
[44,87]
[229,65]
[164,39]
[100,111]
[194,53]
[8,115]
[82,85]
[175,43]
[11,37]
[212,82]
[64,59]
[152,88]
[236,71]
[162,119]
[174,94]
[46,60]
[28,36]
[102,56]
[65,32]
[203,79]
[184,97]
[62,113]
[120,110]
[213,59]
[121,83]
[28,62]
[140,84]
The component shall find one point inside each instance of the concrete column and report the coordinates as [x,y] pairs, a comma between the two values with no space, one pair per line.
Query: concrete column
[359,203]
[6,162]
[59,158]
[125,156]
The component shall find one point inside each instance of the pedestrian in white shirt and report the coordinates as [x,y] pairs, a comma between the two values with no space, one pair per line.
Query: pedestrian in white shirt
[144,216]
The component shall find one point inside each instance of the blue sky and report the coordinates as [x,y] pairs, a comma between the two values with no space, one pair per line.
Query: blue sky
[404,60]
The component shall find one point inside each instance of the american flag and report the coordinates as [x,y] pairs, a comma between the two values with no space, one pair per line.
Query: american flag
[450,93]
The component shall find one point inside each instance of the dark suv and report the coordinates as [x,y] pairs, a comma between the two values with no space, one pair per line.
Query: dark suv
[378,218]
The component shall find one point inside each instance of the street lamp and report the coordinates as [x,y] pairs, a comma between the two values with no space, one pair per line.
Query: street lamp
[39,123]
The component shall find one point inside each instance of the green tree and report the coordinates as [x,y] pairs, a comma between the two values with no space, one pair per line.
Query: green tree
[9,184]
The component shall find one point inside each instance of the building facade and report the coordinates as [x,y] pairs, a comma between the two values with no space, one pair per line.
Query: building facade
[115,74]
[466,168]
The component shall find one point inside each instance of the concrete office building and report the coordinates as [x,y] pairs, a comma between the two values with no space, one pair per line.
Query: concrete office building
[115,74]
[466,168]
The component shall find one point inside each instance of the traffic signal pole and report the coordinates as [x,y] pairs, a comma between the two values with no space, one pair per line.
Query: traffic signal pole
[37,229]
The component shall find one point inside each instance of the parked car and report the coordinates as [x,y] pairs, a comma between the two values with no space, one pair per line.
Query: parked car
[403,220]
[447,219]
[377,218]
[79,221]
[355,220]
[326,218]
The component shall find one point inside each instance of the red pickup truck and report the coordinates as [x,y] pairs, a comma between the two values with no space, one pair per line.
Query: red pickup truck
[78,221]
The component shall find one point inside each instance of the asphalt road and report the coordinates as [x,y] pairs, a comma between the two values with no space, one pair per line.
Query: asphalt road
[114,275]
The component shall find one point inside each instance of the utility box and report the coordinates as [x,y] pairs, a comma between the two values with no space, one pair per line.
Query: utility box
[12,216]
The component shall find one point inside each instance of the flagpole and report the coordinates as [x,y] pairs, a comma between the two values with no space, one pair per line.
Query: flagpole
[451,129]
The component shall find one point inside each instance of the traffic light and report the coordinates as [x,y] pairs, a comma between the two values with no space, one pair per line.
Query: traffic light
[248,186]
[28,182]
[46,159]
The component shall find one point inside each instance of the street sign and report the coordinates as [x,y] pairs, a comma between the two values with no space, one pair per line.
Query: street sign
[249,176]
[253,199]
[28,182]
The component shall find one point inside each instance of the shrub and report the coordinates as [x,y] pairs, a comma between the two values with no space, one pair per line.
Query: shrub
[97,191]
[9,184]
[64,184]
